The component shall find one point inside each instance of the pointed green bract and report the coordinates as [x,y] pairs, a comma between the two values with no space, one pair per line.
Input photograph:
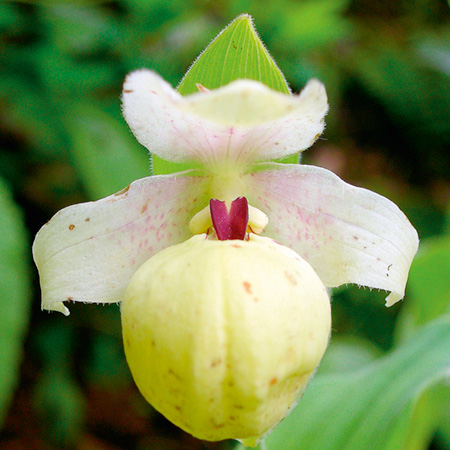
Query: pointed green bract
[236,53]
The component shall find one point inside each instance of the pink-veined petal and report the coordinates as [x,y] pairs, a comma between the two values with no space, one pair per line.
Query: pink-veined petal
[244,121]
[347,234]
[88,252]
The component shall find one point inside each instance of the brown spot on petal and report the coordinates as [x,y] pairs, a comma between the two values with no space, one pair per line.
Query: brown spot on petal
[290,277]
[128,91]
[273,381]
[87,219]
[216,362]
[247,287]
[70,299]
[71,227]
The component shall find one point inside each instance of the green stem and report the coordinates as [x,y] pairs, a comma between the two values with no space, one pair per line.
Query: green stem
[261,446]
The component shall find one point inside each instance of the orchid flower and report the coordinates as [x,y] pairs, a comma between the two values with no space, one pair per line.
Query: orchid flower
[89,252]
[199,312]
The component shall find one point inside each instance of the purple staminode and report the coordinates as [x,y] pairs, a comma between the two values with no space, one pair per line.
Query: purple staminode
[229,224]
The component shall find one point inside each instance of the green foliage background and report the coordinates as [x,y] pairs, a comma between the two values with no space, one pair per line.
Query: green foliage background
[386,65]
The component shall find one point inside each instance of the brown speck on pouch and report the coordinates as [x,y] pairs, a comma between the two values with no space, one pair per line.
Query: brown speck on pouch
[247,287]
[290,277]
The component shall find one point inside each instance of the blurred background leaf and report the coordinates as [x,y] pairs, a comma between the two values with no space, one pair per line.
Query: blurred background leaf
[15,295]
[57,398]
[429,287]
[104,151]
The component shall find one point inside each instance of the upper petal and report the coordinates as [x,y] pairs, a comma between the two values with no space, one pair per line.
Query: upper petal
[347,234]
[88,252]
[244,121]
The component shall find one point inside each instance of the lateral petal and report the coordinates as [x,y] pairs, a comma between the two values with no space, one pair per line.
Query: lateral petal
[348,234]
[88,252]
[244,121]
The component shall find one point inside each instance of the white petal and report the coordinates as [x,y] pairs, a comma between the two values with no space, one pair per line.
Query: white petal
[88,252]
[348,234]
[244,121]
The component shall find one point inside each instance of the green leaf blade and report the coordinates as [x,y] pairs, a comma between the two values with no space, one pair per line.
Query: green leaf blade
[373,407]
